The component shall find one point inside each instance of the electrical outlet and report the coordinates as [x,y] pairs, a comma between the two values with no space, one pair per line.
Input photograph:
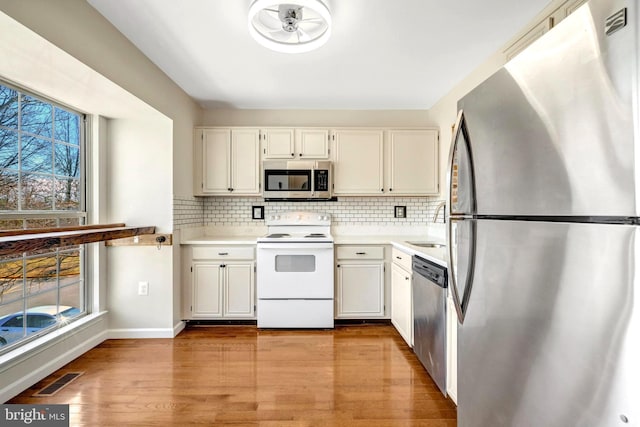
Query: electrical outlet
[143,288]
[136,239]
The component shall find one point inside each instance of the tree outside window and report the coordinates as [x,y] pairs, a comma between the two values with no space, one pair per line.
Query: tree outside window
[41,186]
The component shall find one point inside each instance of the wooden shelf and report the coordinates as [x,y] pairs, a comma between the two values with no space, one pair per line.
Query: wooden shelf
[18,243]
[146,240]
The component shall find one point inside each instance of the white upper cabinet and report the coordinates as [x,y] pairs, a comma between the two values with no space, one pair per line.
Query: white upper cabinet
[245,161]
[542,27]
[532,35]
[227,161]
[300,143]
[413,162]
[215,162]
[366,161]
[312,143]
[358,167]
[568,8]
[278,143]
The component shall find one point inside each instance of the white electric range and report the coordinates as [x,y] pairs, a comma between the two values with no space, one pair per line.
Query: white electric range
[295,270]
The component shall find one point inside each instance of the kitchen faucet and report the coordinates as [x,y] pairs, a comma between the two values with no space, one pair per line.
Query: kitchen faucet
[438,209]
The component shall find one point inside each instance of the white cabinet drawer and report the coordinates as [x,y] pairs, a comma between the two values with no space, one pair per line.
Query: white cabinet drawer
[360,252]
[401,258]
[223,252]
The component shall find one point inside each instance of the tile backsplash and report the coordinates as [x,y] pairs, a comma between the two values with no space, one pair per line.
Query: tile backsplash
[188,212]
[346,212]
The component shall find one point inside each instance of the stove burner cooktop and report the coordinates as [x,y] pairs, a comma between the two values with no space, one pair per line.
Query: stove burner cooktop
[278,235]
[312,235]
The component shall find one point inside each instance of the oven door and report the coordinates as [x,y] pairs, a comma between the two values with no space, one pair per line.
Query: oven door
[295,271]
[288,183]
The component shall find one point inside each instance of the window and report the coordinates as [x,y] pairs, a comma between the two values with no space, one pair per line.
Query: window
[42,185]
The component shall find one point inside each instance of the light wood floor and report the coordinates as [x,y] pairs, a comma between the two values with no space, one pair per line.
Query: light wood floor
[237,375]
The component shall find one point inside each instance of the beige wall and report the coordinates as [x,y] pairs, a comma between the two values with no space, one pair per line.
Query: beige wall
[382,118]
[444,112]
[65,50]
[132,186]
[78,29]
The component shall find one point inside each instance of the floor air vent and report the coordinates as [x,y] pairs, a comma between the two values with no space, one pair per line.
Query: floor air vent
[58,384]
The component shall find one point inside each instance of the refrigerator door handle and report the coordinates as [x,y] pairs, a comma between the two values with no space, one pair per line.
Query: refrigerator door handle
[460,132]
[461,187]
[453,283]
[461,300]
[452,156]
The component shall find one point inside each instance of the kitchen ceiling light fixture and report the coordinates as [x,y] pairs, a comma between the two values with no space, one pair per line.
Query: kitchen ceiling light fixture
[292,26]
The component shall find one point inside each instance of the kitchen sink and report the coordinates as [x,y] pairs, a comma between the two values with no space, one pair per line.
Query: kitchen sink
[427,244]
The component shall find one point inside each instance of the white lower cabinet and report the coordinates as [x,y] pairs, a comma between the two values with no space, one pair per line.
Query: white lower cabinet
[360,291]
[222,283]
[207,290]
[238,294]
[222,289]
[401,298]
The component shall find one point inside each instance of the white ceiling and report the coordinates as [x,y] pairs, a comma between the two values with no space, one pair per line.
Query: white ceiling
[400,54]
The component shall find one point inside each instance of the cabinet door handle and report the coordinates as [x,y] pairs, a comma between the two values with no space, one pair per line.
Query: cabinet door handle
[300,154]
[398,257]
[406,278]
[391,189]
[361,253]
[293,154]
[223,265]
[223,253]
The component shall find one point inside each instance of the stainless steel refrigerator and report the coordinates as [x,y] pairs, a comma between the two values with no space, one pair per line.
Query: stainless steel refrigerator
[543,230]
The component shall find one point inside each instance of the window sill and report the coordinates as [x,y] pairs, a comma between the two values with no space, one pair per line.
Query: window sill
[43,343]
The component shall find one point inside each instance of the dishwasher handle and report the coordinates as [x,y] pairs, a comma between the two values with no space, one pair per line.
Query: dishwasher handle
[433,272]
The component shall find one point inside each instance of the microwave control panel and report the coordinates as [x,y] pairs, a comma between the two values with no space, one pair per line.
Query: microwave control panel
[321,179]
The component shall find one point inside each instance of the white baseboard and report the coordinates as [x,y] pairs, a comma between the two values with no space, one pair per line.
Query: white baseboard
[116,334]
[453,396]
[179,327]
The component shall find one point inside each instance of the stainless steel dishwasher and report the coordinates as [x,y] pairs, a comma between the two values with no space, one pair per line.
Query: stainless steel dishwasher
[429,318]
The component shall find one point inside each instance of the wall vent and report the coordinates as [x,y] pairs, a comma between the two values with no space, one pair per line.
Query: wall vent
[616,21]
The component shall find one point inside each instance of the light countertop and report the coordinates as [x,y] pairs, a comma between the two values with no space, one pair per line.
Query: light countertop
[220,240]
[437,255]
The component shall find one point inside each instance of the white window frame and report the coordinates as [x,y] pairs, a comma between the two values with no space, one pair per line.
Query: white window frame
[57,215]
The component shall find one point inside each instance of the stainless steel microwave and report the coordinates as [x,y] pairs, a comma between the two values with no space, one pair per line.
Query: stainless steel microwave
[297,179]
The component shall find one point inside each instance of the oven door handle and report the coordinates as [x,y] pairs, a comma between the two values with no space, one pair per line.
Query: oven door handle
[294,245]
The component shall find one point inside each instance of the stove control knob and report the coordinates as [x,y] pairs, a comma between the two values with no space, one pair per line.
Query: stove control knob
[320,217]
[277,217]
[299,217]
[270,217]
